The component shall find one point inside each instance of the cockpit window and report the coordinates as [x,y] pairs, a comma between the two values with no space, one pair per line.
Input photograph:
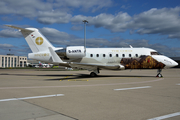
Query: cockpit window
[155,53]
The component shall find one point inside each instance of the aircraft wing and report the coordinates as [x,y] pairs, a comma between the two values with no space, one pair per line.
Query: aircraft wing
[92,67]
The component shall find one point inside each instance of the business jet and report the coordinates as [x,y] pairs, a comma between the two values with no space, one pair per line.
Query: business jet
[93,59]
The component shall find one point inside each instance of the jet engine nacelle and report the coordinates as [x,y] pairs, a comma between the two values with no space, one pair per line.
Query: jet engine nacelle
[72,52]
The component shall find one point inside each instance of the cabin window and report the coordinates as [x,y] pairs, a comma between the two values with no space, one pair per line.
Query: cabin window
[136,55]
[104,55]
[123,55]
[117,55]
[110,55]
[97,55]
[129,55]
[91,55]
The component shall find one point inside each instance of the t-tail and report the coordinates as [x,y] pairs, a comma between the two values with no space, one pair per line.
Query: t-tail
[36,41]
[42,49]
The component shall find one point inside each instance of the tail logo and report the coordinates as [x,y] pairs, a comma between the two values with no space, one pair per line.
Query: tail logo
[39,40]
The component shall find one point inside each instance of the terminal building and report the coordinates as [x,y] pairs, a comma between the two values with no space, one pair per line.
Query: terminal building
[10,60]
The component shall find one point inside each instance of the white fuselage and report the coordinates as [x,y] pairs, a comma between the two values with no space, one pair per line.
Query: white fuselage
[108,56]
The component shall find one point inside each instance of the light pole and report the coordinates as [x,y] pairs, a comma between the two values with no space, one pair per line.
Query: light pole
[85,21]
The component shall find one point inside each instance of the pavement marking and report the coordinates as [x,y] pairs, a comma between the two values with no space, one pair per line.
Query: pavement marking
[178,84]
[64,78]
[25,98]
[91,85]
[133,88]
[165,116]
[79,80]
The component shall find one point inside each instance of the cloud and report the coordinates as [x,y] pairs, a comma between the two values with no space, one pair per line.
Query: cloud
[85,5]
[165,21]
[115,23]
[76,28]
[4,46]
[53,33]
[53,17]
[49,12]
[7,33]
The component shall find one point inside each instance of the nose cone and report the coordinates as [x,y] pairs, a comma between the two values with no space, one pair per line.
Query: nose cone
[175,64]
[165,60]
[170,63]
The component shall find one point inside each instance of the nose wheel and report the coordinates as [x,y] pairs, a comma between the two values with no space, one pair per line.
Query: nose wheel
[159,73]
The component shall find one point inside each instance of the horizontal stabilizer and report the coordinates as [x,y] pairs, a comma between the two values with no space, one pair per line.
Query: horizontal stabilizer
[21,29]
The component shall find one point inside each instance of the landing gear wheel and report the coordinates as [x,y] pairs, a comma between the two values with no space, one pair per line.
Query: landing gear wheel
[92,74]
[159,73]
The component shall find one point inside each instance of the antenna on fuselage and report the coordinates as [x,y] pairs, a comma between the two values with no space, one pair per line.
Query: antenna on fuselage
[85,21]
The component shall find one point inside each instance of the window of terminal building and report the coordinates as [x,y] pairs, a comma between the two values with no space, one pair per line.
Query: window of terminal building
[5,61]
[8,61]
[14,62]
[2,61]
[20,63]
[24,63]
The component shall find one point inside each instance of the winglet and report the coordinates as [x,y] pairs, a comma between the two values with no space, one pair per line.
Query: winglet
[55,57]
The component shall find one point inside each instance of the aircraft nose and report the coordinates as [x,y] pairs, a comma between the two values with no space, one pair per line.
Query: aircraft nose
[170,63]
[175,64]
[165,60]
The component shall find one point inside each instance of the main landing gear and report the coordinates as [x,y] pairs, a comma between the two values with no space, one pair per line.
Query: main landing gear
[94,73]
[159,73]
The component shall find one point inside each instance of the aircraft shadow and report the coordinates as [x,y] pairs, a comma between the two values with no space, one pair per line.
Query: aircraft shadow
[78,76]
[86,76]
[34,75]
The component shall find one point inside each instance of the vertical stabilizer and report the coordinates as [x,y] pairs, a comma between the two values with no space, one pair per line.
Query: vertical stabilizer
[36,41]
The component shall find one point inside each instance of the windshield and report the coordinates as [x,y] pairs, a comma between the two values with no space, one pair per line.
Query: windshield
[155,53]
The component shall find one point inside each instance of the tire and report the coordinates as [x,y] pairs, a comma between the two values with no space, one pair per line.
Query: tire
[92,74]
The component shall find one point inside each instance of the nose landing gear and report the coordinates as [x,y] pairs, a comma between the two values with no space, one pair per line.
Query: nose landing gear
[159,73]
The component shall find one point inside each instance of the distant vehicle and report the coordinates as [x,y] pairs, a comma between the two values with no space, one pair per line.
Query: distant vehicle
[42,65]
[67,68]
[94,59]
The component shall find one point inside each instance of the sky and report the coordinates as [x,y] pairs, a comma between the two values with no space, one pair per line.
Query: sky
[111,23]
